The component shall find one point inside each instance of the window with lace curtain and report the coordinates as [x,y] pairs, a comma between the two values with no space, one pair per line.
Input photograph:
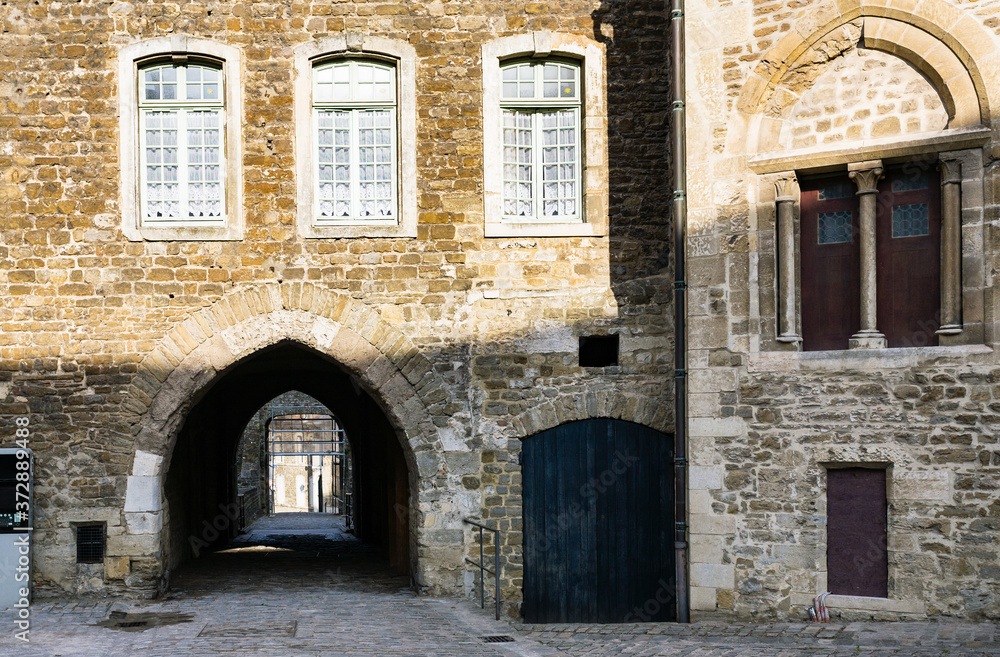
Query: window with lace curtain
[181,115]
[354,114]
[540,103]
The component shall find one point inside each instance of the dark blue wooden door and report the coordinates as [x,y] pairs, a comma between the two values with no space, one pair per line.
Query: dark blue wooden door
[598,523]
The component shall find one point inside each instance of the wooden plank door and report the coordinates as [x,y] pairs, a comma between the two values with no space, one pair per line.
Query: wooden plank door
[909,256]
[598,522]
[857,558]
[829,250]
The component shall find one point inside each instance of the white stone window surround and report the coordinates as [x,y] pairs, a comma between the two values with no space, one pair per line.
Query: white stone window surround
[594,174]
[361,47]
[179,47]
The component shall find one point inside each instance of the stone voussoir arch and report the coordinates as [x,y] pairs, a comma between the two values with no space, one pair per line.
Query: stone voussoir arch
[168,380]
[594,404]
[946,44]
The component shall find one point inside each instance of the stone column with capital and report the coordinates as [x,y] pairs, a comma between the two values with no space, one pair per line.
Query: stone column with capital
[951,248]
[784,192]
[866,176]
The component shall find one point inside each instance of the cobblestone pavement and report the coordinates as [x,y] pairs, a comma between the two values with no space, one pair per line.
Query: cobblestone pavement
[300,587]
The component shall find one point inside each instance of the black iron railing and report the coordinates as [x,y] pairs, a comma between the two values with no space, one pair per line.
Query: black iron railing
[349,511]
[482,566]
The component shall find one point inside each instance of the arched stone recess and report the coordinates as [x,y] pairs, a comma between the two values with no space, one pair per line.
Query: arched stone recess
[952,49]
[172,378]
[613,404]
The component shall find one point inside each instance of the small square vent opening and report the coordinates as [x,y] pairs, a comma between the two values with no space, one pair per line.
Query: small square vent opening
[598,350]
[90,544]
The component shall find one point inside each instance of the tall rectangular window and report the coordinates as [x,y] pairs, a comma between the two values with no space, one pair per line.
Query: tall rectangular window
[907,258]
[831,262]
[354,106]
[182,152]
[857,558]
[540,104]
[909,255]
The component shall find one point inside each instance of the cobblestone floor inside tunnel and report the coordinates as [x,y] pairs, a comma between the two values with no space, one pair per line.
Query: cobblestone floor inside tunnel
[301,550]
[300,586]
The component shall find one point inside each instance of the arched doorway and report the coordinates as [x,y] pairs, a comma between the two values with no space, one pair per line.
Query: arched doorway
[598,524]
[201,483]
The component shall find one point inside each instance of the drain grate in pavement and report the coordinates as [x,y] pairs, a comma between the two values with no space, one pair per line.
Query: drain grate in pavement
[257,629]
[498,638]
[119,620]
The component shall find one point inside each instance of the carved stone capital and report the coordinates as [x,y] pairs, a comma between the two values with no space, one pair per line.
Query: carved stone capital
[951,171]
[866,175]
[785,186]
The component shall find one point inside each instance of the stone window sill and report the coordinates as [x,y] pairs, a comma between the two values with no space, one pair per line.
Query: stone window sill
[861,359]
[356,229]
[541,229]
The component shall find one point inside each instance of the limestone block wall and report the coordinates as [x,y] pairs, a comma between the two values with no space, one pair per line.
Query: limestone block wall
[778,88]
[105,343]
[864,94]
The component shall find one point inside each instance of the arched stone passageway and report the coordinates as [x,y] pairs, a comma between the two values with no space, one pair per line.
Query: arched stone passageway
[200,483]
[195,392]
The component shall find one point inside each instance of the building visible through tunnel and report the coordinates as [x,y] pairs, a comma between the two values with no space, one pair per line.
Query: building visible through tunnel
[294,456]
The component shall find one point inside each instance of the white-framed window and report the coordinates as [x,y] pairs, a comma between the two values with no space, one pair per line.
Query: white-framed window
[354,110]
[355,137]
[182,144]
[545,164]
[542,163]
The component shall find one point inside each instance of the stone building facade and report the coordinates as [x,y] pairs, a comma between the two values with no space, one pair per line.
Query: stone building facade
[139,348]
[783,98]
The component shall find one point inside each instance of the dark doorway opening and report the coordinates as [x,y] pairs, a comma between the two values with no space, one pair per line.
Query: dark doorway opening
[203,484]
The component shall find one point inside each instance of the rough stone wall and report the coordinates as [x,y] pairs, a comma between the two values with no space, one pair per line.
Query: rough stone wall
[495,321]
[767,420]
[864,94]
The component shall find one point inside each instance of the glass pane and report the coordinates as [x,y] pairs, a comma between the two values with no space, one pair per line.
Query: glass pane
[837,189]
[909,181]
[835,227]
[910,220]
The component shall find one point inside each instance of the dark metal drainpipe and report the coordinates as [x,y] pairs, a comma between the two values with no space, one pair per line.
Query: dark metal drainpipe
[677,130]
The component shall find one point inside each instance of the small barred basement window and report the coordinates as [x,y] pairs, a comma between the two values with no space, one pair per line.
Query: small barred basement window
[90,544]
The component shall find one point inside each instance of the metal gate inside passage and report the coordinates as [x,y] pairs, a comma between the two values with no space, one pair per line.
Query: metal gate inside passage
[598,524]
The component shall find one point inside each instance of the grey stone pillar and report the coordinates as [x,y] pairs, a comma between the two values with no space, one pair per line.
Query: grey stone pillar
[866,176]
[951,247]
[784,197]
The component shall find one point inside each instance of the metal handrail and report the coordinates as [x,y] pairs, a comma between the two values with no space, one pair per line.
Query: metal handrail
[482,567]
[349,511]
